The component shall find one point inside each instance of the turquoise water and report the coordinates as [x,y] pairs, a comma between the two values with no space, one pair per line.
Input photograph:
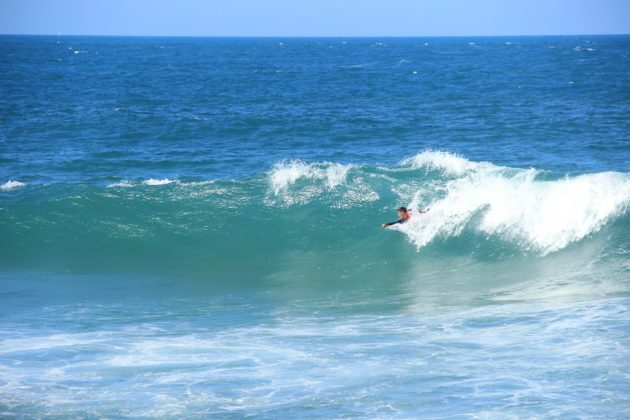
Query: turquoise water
[190,227]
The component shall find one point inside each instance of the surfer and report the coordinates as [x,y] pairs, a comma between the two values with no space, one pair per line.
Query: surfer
[404,215]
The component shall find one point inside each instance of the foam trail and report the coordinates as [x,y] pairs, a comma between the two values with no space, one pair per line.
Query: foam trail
[12,185]
[124,184]
[154,182]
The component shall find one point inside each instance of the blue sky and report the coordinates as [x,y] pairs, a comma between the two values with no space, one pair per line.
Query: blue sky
[315,17]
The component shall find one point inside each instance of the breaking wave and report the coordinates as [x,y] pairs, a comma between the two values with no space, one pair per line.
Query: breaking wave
[313,208]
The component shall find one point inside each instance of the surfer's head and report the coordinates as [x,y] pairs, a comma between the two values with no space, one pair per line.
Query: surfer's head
[402,212]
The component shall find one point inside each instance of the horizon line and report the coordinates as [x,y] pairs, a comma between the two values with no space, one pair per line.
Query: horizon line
[314,36]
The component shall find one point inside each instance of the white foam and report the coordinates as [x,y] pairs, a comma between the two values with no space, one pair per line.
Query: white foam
[154,182]
[197,183]
[123,184]
[450,164]
[286,173]
[539,215]
[336,174]
[12,185]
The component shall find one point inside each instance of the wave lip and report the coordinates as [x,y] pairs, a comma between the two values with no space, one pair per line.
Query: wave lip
[12,185]
[152,182]
[334,184]
[155,182]
[121,184]
[448,163]
[286,173]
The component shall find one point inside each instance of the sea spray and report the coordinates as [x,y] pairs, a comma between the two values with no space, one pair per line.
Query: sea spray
[12,185]
[515,204]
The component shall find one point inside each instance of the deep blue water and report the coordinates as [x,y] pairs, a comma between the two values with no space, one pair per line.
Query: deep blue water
[190,227]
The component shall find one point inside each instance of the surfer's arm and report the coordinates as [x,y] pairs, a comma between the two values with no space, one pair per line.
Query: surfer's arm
[394,223]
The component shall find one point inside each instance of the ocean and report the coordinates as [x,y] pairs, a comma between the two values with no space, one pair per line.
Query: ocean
[191,227]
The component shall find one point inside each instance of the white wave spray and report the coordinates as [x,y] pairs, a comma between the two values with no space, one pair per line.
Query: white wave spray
[12,185]
[515,205]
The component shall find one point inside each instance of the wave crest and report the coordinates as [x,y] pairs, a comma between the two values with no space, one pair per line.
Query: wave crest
[12,185]
[448,163]
[516,206]
[286,173]
[524,207]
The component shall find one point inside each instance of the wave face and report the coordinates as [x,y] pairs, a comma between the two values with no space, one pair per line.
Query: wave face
[308,217]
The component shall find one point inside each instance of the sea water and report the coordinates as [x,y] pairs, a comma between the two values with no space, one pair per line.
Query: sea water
[190,227]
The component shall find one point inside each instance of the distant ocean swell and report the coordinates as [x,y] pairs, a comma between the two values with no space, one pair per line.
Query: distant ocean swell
[310,206]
